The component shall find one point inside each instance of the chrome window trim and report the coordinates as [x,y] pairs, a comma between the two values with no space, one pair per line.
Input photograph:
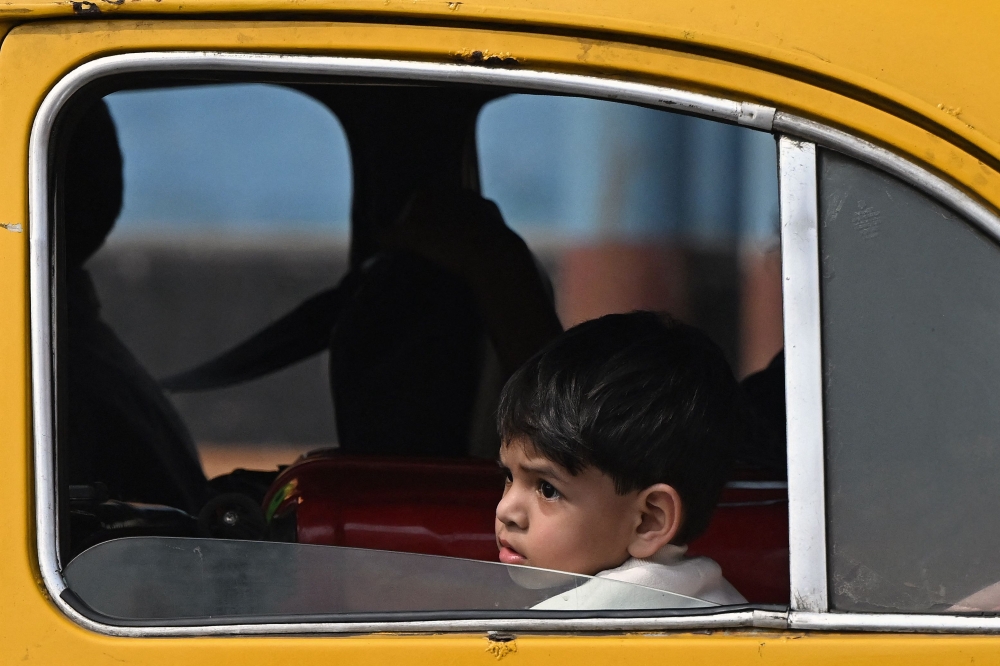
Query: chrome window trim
[937,188]
[744,113]
[893,622]
[749,619]
[798,205]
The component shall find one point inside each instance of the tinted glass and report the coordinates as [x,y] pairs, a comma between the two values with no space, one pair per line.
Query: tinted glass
[173,578]
[911,332]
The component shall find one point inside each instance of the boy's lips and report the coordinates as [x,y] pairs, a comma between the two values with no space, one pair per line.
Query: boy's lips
[508,555]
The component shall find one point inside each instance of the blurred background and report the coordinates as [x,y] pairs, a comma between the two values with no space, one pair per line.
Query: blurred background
[237,202]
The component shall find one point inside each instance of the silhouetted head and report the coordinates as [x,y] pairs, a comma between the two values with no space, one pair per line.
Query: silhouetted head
[404,139]
[93,184]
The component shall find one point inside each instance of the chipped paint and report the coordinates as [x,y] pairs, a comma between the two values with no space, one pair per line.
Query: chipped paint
[486,57]
[85,8]
[16,228]
[956,112]
[951,110]
[501,644]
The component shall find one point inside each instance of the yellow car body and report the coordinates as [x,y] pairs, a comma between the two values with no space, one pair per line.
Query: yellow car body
[914,78]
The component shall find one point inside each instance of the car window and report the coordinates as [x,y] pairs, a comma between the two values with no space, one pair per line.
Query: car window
[910,314]
[275,410]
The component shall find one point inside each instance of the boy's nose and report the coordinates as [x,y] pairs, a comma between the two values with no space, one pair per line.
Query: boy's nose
[510,511]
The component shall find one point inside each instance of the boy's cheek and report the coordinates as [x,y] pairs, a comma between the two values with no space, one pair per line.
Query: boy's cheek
[546,547]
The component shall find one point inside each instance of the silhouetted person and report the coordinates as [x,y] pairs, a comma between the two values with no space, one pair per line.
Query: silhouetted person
[443,300]
[122,429]
[764,447]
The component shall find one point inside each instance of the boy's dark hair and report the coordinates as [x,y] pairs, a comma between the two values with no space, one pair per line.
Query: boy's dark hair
[641,397]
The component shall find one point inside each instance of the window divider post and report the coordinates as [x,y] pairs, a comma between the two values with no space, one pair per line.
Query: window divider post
[799,211]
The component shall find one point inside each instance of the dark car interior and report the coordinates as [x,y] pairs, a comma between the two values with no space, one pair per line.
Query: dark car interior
[440,303]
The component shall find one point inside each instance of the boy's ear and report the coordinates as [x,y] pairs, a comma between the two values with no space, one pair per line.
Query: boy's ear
[660,515]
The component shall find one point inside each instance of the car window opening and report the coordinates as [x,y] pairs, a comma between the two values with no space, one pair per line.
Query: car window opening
[285,342]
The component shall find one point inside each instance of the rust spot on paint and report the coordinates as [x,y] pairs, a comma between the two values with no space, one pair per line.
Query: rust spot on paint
[487,58]
[500,644]
[85,8]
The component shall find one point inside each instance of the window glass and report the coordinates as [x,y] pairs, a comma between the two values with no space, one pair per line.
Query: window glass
[143,578]
[911,324]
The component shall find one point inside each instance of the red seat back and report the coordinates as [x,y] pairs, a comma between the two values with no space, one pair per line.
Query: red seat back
[447,507]
[748,537]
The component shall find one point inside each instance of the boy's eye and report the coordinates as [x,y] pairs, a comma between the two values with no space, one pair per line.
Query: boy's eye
[547,490]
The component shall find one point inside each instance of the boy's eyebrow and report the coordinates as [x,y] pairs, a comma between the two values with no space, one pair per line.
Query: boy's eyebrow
[543,469]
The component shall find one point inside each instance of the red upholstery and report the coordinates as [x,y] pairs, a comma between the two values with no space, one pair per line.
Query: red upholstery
[748,537]
[446,507]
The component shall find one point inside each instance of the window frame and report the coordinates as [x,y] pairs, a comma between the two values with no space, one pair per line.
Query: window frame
[798,182]
[800,262]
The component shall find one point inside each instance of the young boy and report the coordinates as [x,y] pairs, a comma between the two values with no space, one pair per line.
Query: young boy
[616,441]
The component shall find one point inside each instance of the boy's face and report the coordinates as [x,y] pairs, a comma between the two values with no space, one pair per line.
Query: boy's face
[552,519]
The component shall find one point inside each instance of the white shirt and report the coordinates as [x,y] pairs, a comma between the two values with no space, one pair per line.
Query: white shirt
[670,570]
[696,579]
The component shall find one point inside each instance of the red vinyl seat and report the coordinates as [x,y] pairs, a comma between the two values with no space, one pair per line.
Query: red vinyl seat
[447,507]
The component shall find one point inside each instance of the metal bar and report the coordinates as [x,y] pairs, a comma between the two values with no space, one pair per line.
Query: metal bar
[894,622]
[803,373]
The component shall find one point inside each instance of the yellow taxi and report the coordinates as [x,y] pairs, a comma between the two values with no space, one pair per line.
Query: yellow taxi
[859,527]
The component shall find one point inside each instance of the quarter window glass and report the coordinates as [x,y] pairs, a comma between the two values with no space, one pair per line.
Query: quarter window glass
[911,328]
